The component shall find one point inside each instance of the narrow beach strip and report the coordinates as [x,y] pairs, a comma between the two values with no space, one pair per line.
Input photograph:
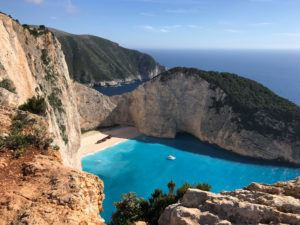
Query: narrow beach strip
[94,141]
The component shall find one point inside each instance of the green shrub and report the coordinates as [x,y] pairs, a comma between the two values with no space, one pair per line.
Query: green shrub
[129,210]
[42,27]
[55,102]
[133,208]
[45,57]
[36,105]
[26,26]
[181,191]
[8,85]
[20,139]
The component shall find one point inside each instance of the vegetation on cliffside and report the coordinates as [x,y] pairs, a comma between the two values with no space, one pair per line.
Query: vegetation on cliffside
[260,109]
[93,59]
[8,85]
[26,131]
[35,105]
[133,208]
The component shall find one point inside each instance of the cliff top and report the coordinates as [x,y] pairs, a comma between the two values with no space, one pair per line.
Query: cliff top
[92,59]
[259,107]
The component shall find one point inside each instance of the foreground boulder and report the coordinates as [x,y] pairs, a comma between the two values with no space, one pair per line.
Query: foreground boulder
[255,204]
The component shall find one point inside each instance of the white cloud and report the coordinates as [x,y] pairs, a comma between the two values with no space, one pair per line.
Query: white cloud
[193,26]
[261,24]
[233,31]
[147,14]
[261,0]
[181,11]
[70,7]
[288,34]
[155,29]
[36,2]
[168,29]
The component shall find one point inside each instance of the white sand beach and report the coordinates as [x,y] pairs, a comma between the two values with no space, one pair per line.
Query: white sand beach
[117,135]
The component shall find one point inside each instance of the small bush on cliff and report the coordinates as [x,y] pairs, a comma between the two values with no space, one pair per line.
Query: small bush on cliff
[25,133]
[132,208]
[129,210]
[55,102]
[8,85]
[36,105]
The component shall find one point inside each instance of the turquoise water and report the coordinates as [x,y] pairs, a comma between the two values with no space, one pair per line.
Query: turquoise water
[140,166]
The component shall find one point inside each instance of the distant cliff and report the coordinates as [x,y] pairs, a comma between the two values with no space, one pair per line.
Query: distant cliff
[232,112]
[93,60]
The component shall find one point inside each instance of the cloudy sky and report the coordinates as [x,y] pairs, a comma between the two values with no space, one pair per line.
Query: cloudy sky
[251,24]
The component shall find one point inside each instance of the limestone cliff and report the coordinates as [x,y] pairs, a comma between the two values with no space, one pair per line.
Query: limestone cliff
[32,59]
[93,107]
[35,186]
[191,101]
[255,204]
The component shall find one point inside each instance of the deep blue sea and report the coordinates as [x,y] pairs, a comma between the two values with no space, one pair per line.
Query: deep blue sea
[279,70]
[140,166]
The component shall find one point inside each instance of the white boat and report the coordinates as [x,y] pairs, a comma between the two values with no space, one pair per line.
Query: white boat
[171,157]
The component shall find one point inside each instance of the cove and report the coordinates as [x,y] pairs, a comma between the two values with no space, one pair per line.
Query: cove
[140,165]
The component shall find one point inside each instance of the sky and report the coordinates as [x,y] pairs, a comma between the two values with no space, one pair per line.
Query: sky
[170,24]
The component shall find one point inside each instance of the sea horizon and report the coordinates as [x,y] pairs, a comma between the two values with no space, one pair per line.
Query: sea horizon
[277,69]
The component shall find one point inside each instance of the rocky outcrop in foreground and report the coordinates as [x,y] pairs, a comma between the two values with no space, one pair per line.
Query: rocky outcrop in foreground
[36,193]
[256,204]
[35,187]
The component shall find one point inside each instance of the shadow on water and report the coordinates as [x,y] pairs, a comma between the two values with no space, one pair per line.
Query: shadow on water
[189,143]
[120,89]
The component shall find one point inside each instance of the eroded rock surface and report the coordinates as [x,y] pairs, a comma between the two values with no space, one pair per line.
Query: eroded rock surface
[88,102]
[256,204]
[43,191]
[34,62]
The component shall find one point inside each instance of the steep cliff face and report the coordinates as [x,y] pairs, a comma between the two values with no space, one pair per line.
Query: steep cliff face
[93,107]
[94,60]
[191,101]
[256,204]
[34,62]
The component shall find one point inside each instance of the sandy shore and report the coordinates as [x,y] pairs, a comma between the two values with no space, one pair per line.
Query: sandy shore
[118,135]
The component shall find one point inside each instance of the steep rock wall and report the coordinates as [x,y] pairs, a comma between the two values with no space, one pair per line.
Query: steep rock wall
[179,102]
[36,65]
[93,107]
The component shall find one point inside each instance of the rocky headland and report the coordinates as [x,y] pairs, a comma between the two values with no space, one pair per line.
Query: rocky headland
[234,113]
[96,61]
